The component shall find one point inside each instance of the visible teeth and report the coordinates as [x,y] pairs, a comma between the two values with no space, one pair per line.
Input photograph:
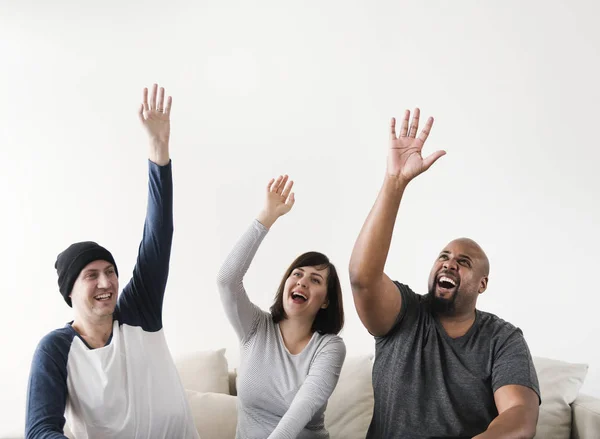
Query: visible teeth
[294,293]
[102,296]
[447,279]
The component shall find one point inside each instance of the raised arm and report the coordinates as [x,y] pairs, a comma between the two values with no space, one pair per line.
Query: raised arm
[315,391]
[142,299]
[376,298]
[241,312]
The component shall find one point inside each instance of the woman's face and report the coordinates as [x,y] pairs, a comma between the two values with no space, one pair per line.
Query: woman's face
[305,292]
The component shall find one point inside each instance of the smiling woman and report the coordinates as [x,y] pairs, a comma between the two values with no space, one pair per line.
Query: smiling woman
[311,276]
[291,357]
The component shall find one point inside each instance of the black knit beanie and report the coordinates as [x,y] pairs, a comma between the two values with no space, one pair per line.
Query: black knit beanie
[70,262]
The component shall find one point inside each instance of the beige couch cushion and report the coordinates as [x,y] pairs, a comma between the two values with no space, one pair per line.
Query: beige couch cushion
[215,414]
[559,385]
[204,371]
[586,417]
[350,406]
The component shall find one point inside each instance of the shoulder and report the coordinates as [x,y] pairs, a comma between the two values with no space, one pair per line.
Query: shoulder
[55,345]
[331,339]
[409,297]
[331,344]
[495,326]
[263,328]
[404,289]
[57,339]
[413,306]
[500,333]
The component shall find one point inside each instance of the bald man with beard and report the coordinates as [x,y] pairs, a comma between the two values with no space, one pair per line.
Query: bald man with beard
[443,368]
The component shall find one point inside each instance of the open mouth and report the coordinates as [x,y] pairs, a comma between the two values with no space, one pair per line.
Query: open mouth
[446,284]
[298,297]
[103,297]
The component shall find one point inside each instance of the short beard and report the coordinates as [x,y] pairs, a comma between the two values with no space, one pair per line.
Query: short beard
[439,305]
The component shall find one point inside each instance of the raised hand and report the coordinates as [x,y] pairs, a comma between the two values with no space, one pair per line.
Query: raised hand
[404,157]
[279,200]
[156,118]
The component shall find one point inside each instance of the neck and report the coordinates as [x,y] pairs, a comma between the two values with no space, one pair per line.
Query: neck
[95,332]
[296,334]
[457,325]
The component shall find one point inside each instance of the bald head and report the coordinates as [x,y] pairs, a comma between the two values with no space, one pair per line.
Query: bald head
[475,252]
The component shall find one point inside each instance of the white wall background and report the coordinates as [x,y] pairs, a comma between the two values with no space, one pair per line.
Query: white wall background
[305,88]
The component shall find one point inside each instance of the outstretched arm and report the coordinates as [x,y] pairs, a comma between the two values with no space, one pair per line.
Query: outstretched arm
[142,299]
[377,299]
[241,312]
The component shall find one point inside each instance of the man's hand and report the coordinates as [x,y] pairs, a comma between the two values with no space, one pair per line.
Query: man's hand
[278,202]
[155,116]
[404,158]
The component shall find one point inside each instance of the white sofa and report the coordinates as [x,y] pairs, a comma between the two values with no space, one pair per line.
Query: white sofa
[210,387]
[564,414]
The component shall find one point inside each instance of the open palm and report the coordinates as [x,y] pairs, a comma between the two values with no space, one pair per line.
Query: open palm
[155,115]
[404,158]
[279,199]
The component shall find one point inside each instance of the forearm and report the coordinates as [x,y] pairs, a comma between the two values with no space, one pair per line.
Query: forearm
[45,433]
[155,249]
[314,392]
[159,213]
[266,218]
[150,275]
[515,423]
[372,246]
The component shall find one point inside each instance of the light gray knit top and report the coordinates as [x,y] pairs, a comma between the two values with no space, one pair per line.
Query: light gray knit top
[280,395]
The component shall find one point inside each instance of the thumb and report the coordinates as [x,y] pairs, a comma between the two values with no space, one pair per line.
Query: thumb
[291,200]
[432,158]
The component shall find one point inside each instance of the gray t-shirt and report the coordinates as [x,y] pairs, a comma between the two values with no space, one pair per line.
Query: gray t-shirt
[428,385]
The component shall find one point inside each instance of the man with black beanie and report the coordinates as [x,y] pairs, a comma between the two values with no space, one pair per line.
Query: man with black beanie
[109,372]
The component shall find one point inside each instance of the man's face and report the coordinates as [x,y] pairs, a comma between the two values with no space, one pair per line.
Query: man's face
[94,293]
[457,277]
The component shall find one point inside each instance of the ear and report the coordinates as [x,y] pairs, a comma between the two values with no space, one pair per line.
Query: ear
[325,305]
[483,284]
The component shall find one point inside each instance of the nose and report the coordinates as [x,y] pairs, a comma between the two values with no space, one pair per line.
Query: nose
[103,281]
[301,283]
[450,264]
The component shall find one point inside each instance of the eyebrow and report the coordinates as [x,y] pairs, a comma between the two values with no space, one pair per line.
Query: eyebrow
[316,274]
[95,270]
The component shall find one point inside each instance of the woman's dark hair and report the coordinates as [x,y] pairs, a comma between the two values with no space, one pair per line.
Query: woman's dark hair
[328,320]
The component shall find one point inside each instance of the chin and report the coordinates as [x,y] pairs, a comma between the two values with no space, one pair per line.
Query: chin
[446,297]
[105,312]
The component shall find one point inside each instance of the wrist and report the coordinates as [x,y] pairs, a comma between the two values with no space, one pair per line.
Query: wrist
[396,183]
[266,218]
[159,152]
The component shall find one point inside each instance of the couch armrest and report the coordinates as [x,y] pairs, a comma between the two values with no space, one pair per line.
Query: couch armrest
[586,417]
